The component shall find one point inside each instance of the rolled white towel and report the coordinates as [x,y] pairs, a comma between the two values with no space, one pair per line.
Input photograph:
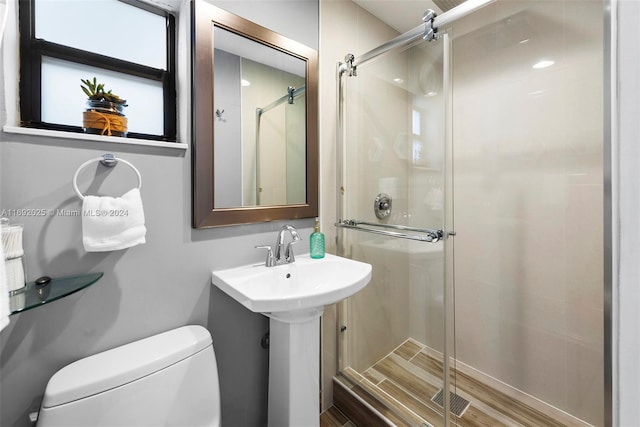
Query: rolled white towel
[15,274]
[12,241]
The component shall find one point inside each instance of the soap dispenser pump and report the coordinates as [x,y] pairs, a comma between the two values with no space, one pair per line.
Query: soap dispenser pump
[316,242]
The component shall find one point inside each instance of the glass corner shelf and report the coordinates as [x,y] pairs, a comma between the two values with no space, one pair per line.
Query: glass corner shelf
[34,295]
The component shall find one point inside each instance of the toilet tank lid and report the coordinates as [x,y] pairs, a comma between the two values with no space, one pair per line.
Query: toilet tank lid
[121,365]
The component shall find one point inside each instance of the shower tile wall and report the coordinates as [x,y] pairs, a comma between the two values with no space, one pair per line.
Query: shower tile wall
[528,199]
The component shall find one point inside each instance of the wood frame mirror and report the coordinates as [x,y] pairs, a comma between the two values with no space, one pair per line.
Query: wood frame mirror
[205,17]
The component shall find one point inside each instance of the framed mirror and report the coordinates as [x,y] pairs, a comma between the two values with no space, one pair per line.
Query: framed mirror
[255,130]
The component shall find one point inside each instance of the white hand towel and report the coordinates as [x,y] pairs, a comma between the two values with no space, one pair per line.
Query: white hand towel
[5,310]
[113,223]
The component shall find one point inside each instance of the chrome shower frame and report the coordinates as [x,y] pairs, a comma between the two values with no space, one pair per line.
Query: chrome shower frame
[611,186]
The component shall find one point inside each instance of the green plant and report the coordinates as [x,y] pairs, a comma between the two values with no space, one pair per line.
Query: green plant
[96,92]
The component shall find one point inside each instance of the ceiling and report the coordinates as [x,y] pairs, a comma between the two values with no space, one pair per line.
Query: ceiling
[401,15]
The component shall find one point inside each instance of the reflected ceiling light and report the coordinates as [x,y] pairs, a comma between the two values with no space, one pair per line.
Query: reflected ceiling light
[431,93]
[524,41]
[245,82]
[543,64]
[398,80]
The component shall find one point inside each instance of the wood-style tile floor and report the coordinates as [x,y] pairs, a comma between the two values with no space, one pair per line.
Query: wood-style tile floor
[409,377]
[332,417]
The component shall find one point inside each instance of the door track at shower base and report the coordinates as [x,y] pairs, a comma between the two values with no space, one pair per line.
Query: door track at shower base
[458,404]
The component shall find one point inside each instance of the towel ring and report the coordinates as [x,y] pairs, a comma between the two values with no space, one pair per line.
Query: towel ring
[108,160]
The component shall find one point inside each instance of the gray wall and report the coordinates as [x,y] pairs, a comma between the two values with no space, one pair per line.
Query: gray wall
[151,288]
[227,154]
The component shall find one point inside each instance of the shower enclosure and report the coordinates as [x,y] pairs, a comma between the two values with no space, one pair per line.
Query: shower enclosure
[280,137]
[470,174]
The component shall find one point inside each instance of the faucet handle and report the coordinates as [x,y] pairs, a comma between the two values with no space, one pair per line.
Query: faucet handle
[288,253]
[270,262]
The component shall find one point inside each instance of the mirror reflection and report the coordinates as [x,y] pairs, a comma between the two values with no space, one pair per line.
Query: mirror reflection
[259,124]
[255,122]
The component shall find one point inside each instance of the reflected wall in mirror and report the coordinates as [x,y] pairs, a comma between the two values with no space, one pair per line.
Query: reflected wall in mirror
[255,152]
[259,131]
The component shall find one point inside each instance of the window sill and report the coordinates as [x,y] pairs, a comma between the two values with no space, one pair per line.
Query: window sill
[94,138]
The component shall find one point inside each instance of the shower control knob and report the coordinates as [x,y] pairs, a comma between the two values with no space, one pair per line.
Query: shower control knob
[382,205]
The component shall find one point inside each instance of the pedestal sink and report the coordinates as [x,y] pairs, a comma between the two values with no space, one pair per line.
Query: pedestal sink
[293,296]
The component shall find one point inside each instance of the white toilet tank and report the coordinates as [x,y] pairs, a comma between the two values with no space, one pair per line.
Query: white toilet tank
[170,379]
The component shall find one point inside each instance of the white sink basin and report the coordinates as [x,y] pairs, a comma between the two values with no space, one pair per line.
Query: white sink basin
[293,296]
[304,284]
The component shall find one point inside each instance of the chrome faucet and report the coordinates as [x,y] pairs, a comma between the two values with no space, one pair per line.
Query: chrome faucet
[288,252]
[282,255]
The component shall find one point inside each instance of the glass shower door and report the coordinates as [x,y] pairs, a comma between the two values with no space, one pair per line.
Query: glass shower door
[528,142]
[393,209]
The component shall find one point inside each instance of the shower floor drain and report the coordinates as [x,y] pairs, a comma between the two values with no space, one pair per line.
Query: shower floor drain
[458,404]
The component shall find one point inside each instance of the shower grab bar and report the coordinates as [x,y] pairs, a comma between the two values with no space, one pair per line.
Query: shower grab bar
[429,235]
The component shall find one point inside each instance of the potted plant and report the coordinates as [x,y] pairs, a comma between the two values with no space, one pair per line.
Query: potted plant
[104,113]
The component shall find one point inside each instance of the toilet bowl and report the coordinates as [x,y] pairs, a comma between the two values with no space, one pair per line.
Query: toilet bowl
[167,379]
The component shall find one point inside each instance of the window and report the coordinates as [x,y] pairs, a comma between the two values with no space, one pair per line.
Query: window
[127,45]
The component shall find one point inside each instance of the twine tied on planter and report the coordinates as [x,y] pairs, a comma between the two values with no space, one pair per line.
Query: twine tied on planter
[107,122]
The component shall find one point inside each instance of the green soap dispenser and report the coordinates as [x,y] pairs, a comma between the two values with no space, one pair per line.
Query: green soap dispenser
[316,242]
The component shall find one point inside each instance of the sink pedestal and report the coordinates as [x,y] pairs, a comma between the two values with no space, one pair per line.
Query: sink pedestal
[294,368]
[293,296]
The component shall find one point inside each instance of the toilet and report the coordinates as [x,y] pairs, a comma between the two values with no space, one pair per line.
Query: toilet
[169,379]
